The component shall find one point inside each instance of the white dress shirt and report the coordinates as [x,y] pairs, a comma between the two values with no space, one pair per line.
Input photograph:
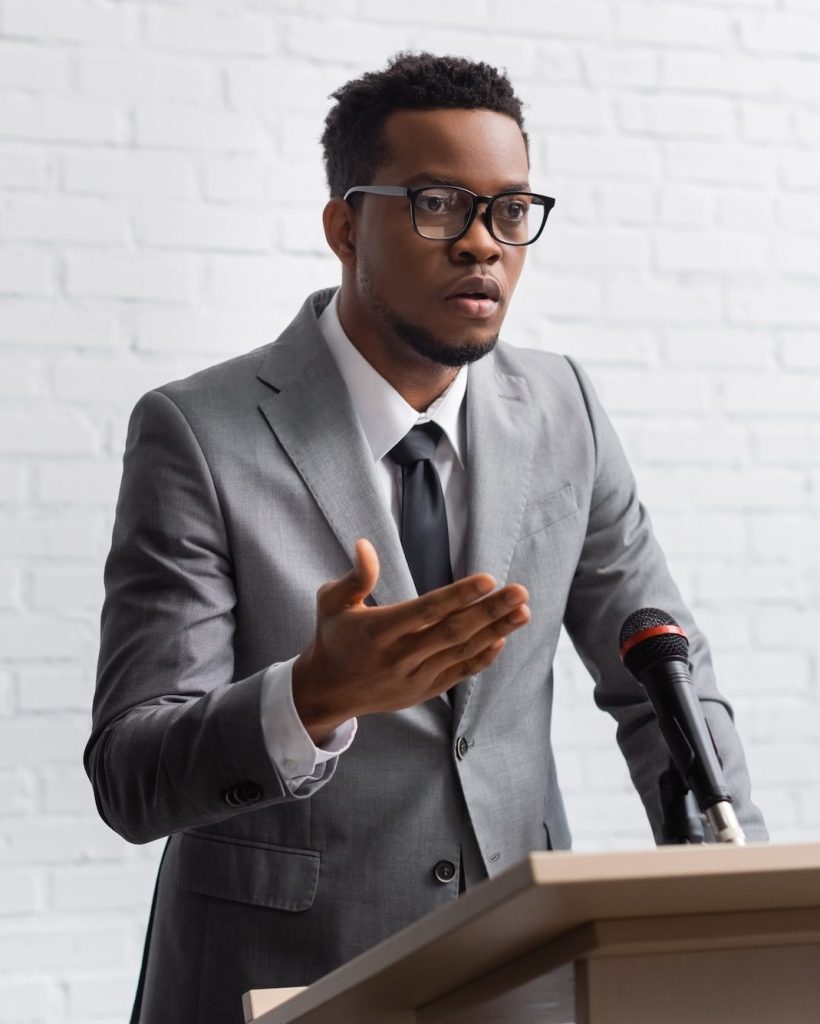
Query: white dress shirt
[385,418]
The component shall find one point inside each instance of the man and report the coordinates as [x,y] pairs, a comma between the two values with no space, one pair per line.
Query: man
[331,768]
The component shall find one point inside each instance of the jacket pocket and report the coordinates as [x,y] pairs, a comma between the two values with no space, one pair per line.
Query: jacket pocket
[543,512]
[279,877]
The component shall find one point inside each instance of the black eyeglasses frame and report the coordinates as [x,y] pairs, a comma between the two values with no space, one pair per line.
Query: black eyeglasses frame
[410,193]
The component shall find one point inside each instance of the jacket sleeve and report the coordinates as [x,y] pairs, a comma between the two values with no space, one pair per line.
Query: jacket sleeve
[622,569]
[177,742]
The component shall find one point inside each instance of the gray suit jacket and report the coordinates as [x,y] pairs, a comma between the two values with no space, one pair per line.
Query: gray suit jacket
[244,489]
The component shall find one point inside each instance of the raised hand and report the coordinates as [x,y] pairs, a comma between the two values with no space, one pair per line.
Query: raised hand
[365,660]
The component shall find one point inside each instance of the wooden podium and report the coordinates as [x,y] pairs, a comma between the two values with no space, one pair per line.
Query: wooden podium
[677,935]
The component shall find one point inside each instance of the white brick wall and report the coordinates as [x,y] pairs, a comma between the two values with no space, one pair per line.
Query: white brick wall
[146,151]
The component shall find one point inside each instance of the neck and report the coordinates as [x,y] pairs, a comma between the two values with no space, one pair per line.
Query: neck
[417,379]
[418,390]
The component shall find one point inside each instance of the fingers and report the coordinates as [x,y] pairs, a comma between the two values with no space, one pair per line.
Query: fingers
[470,667]
[354,586]
[366,567]
[493,616]
[433,640]
[462,656]
[399,619]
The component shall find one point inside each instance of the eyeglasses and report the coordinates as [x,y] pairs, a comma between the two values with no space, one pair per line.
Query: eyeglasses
[445,212]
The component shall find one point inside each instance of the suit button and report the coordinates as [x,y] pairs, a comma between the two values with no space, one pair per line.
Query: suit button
[246,793]
[444,871]
[462,746]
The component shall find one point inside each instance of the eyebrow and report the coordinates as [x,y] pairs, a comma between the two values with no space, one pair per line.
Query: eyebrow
[437,179]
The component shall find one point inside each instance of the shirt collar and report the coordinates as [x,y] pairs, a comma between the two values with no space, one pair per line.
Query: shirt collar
[383,413]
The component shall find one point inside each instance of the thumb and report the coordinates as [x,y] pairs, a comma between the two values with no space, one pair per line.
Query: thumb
[354,586]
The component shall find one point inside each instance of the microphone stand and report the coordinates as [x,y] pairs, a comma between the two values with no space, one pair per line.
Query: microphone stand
[681,821]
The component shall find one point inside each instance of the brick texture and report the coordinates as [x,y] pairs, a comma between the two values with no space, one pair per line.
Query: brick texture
[161,192]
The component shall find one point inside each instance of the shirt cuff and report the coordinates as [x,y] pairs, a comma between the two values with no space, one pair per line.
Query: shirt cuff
[287,742]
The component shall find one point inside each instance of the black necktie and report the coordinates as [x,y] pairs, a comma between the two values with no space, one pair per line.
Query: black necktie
[424,534]
[423,515]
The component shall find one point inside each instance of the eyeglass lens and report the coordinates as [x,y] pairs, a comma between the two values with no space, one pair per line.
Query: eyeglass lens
[442,212]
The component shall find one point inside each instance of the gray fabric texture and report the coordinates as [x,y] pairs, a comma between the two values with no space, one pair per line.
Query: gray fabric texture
[244,489]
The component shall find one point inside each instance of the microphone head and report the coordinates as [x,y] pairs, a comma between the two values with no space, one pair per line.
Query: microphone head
[651,635]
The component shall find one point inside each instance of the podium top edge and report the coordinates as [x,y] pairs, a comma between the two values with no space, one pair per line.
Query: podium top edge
[551,867]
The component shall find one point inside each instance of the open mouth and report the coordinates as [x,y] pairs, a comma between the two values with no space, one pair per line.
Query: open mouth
[475,305]
[475,296]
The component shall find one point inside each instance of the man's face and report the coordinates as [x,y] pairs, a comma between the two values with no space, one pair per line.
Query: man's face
[409,290]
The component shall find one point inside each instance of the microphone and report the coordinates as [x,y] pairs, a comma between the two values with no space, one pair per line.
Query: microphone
[655,650]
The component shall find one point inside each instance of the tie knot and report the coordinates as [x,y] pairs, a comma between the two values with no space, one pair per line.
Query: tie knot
[417,445]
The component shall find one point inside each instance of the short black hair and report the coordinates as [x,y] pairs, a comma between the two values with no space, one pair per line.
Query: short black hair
[353,139]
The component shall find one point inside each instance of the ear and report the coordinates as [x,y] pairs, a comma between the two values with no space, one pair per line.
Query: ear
[339,219]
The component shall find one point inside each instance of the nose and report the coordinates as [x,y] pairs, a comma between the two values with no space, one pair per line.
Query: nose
[477,245]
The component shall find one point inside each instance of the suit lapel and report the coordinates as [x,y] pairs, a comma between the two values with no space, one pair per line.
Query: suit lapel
[500,447]
[309,411]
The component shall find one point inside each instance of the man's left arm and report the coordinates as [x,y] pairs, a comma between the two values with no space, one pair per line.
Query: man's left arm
[622,569]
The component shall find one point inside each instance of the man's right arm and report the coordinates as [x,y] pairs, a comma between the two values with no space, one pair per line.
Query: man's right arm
[176,742]
[291,749]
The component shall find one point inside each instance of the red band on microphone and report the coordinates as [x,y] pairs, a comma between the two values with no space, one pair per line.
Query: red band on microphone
[645,634]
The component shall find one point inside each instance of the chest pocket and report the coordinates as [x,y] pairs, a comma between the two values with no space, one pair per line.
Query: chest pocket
[546,511]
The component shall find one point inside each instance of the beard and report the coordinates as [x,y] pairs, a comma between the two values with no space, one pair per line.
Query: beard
[443,351]
[436,349]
